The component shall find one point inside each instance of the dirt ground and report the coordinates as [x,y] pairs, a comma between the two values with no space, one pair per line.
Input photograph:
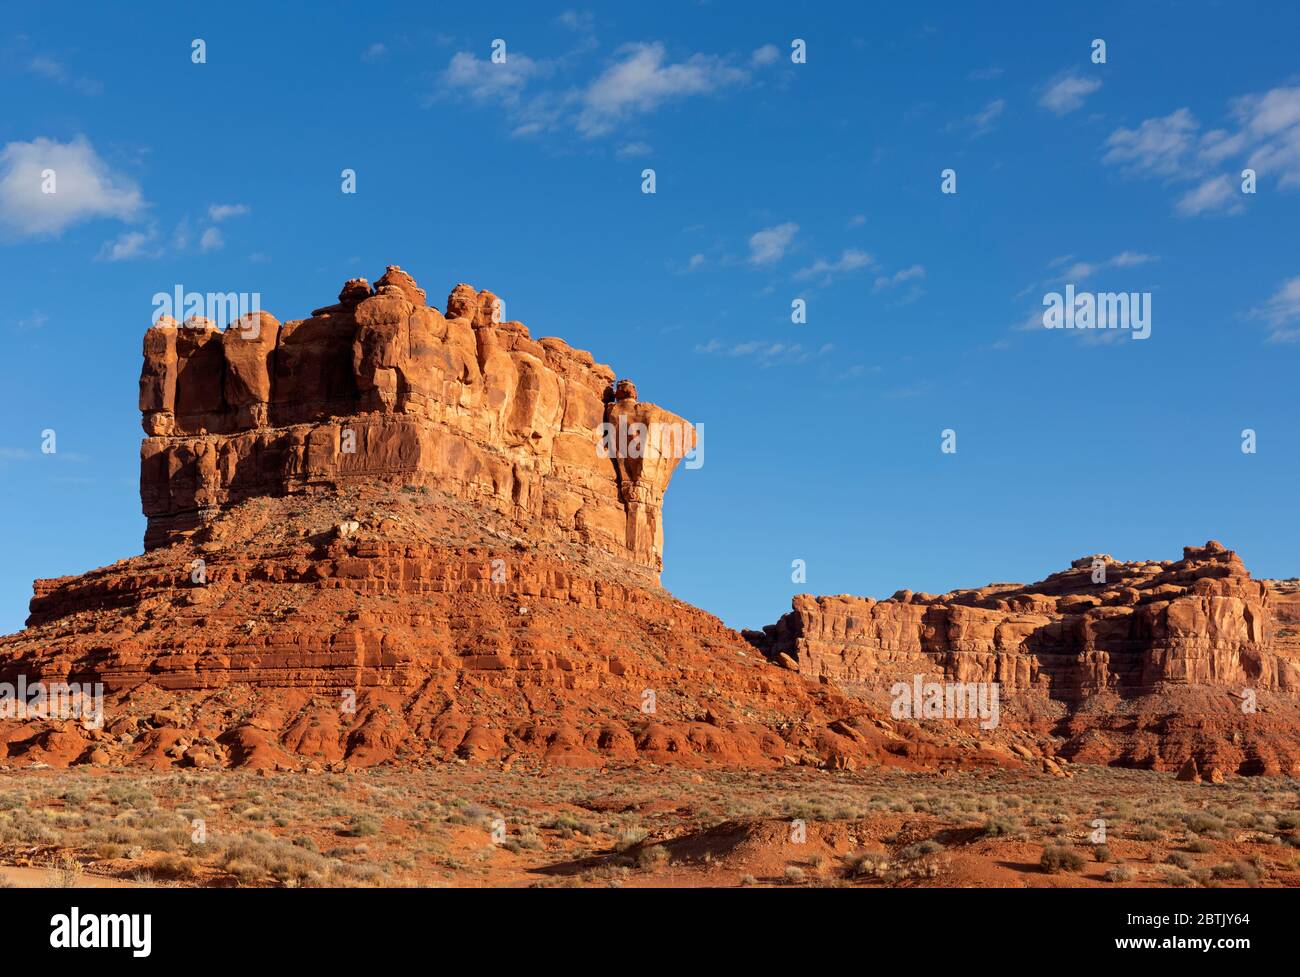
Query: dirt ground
[643,825]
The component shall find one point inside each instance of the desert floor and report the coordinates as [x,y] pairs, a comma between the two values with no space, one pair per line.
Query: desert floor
[640,825]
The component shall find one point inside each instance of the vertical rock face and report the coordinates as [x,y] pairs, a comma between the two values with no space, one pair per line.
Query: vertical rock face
[1183,640]
[1200,620]
[382,387]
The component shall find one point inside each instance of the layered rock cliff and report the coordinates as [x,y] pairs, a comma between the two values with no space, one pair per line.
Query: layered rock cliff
[1143,662]
[383,388]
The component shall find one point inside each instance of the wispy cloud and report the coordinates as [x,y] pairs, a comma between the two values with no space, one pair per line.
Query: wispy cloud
[1080,270]
[1263,134]
[36,320]
[220,212]
[983,121]
[850,259]
[899,277]
[765,352]
[579,21]
[637,80]
[1157,147]
[129,245]
[643,78]
[56,71]
[1068,93]
[1282,312]
[769,245]
[211,240]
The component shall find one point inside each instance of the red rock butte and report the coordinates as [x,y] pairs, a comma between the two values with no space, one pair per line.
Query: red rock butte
[389,534]
[382,388]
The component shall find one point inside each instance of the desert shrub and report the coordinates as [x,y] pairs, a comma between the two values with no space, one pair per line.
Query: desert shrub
[1101,853]
[1202,823]
[630,838]
[999,827]
[794,874]
[361,827]
[651,856]
[179,867]
[920,849]
[1119,873]
[874,864]
[1060,858]
[1236,870]
[1182,859]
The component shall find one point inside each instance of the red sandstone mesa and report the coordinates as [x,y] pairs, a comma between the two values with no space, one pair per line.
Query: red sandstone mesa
[1148,667]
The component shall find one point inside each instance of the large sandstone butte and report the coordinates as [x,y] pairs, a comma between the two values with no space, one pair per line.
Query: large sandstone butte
[1153,665]
[383,389]
[388,534]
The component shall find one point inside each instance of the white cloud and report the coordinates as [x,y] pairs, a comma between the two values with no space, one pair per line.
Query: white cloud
[581,21]
[1264,136]
[220,212]
[36,320]
[85,188]
[986,74]
[484,81]
[634,149]
[638,80]
[128,245]
[696,262]
[850,259]
[767,352]
[769,244]
[983,120]
[857,220]
[1129,259]
[1080,270]
[1216,193]
[899,277]
[642,79]
[1271,126]
[1157,147]
[1068,93]
[45,67]
[1282,312]
[767,54]
[376,52]
[211,240]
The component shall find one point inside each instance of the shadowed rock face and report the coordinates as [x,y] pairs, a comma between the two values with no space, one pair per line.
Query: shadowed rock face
[381,387]
[1174,645]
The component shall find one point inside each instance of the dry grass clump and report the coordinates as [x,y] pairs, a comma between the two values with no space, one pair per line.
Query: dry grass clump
[1060,858]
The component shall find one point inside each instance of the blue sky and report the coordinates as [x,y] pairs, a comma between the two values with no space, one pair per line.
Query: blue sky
[774,181]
